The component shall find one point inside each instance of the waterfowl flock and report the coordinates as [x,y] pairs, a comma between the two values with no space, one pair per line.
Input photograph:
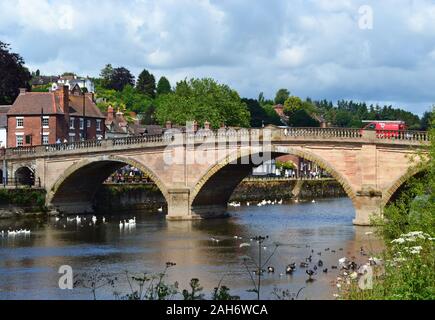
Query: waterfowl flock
[264,202]
[14,233]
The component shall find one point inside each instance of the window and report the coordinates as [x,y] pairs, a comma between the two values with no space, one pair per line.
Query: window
[98,124]
[28,139]
[45,122]
[89,123]
[19,141]
[82,123]
[71,123]
[45,139]
[20,122]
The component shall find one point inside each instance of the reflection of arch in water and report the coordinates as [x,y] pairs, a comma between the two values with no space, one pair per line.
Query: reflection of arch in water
[75,189]
[24,176]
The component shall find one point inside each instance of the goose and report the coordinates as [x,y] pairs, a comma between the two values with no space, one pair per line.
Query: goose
[280,202]
[248,204]
[333,267]
[320,263]
[325,270]
[308,259]
[303,265]
[333,251]
[327,249]
[94,219]
[315,267]
[270,269]
[56,219]
[120,225]
[314,201]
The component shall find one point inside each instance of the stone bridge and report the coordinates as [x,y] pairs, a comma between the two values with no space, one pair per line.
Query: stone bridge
[197,172]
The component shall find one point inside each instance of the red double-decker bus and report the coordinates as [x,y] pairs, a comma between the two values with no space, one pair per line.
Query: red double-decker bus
[385,128]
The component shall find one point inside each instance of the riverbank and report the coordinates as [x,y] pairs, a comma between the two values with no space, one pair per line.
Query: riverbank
[148,197]
[22,202]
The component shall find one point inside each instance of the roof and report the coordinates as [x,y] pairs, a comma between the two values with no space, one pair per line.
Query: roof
[76,107]
[33,102]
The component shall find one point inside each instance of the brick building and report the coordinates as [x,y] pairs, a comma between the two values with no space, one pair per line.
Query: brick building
[49,117]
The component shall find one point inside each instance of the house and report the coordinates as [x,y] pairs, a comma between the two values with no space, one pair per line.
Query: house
[120,125]
[4,126]
[72,81]
[38,118]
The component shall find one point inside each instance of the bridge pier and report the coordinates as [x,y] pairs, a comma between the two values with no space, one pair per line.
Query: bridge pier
[367,205]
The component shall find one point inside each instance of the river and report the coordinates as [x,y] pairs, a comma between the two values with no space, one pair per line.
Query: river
[29,263]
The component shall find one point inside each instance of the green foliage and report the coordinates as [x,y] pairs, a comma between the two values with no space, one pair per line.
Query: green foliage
[194,293]
[261,114]
[281,96]
[163,86]
[222,293]
[127,99]
[13,74]
[146,84]
[288,165]
[25,197]
[408,229]
[202,100]
[106,76]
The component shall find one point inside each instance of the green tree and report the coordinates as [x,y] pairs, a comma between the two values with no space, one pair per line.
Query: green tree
[163,86]
[146,83]
[281,96]
[261,114]
[13,75]
[120,78]
[106,76]
[425,121]
[293,104]
[202,100]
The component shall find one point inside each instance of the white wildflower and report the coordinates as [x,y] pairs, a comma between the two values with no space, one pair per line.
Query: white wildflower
[398,240]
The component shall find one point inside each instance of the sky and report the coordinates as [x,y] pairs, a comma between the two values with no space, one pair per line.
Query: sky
[379,51]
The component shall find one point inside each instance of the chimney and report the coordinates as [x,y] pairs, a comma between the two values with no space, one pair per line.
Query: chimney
[63,93]
[23,91]
[168,124]
[207,125]
[110,114]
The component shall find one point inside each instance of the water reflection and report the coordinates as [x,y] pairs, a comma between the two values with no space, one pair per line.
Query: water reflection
[29,265]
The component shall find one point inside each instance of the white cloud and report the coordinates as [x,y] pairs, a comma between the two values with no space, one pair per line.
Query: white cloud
[314,48]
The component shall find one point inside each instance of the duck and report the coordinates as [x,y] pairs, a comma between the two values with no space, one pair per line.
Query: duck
[325,270]
[160,209]
[248,204]
[310,274]
[303,265]
[314,201]
[280,202]
[270,269]
[290,268]
[320,263]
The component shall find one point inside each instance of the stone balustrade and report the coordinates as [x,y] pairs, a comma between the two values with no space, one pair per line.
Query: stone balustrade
[339,134]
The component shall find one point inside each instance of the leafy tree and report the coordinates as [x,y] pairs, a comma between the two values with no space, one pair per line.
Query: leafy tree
[13,75]
[120,78]
[106,76]
[425,121]
[163,86]
[261,115]
[293,104]
[146,84]
[301,118]
[281,96]
[202,100]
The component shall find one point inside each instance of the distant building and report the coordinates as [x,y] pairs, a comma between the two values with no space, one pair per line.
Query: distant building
[120,125]
[4,126]
[38,118]
[72,81]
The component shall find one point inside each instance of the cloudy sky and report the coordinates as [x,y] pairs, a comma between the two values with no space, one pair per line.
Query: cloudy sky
[318,48]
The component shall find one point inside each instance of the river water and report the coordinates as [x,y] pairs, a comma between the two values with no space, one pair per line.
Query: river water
[29,264]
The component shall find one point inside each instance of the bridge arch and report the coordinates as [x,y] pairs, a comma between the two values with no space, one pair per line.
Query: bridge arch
[390,192]
[24,175]
[74,190]
[230,173]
